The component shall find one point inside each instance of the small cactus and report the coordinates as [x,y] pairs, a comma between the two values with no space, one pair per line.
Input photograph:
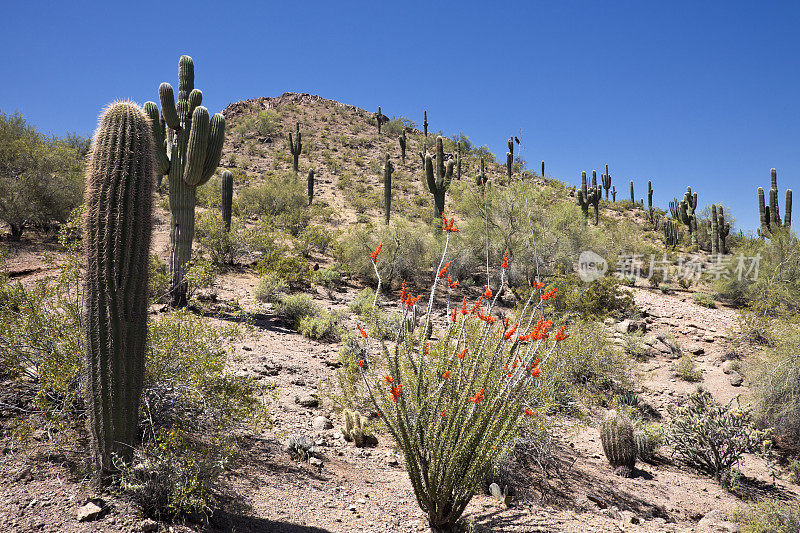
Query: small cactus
[354,429]
[227,198]
[295,146]
[310,186]
[388,168]
[619,444]
[646,444]
[614,194]
[670,233]
[503,496]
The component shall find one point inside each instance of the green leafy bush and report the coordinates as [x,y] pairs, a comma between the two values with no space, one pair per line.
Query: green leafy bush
[223,246]
[282,199]
[322,325]
[295,307]
[686,369]
[596,299]
[770,516]
[701,298]
[712,437]
[270,287]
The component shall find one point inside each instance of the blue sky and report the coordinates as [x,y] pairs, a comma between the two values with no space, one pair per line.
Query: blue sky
[705,94]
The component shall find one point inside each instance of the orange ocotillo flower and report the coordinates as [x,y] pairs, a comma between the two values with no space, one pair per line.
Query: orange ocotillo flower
[450,283]
[478,397]
[464,309]
[507,335]
[488,293]
[443,271]
[530,412]
[453,315]
[538,285]
[362,330]
[560,335]
[549,294]
[446,375]
[361,363]
[396,391]
[504,264]
[403,292]
[374,255]
[388,379]
[448,226]
[462,353]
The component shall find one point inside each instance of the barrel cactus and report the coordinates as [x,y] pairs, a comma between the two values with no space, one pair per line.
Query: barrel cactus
[388,168]
[439,183]
[619,444]
[188,145]
[295,147]
[355,429]
[770,215]
[117,232]
[227,198]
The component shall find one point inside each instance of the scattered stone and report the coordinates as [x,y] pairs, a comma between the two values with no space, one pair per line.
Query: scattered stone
[148,526]
[306,400]
[629,517]
[728,366]
[314,461]
[695,349]
[321,423]
[24,475]
[717,522]
[89,512]
[247,348]
[736,379]
[207,295]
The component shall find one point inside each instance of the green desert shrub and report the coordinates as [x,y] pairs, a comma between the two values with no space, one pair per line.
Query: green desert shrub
[687,370]
[223,246]
[158,282]
[321,325]
[597,299]
[770,516]
[701,298]
[712,438]
[270,287]
[295,307]
[282,199]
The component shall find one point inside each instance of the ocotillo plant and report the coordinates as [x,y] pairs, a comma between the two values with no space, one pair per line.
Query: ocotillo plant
[482,177]
[633,198]
[295,146]
[770,216]
[589,196]
[388,168]
[670,233]
[310,186]
[425,123]
[606,182]
[188,148]
[227,198]
[118,224]
[402,141]
[378,116]
[686,214]
[439,183]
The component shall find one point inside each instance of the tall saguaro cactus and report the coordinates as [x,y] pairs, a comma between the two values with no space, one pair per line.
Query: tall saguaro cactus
[402,140]
[439,183]
[542,168]
[510,158]
[614,194]
[723,230]
[633,198]
[118,225]
[188,148]
[686,214]
[227,198]
[650,215]
[589,196]
[295,147]
[310,186]
[606,181]
[482,178]
[425,122]
[714,231]
[770,216]
[378,116]
[458,160]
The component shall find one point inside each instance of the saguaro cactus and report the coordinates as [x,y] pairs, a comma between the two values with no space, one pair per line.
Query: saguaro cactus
[543,169]
[425,123]
[723,229]
[633,198]
[619,444]
[606,182]
[402,140]
[310,186]
[686,214]
[295,146]
[388,168]
[482,177]
[770,215]
[458,160]
[118,224]
[378,117]
[714,231]
[438,184]
[670,233]
[674,208]
[227,198]
[188,148]
[589,196]
[614,194]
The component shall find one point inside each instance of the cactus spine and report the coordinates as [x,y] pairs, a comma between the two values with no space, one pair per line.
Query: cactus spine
[310,186]
[295,146]
[606,178]
[619,444]
[188,148]
[425,123]
[402,140]
[117,226]
[378,116]
[388,168]
[439,183]
[227,198]
[686,214]
[769,216]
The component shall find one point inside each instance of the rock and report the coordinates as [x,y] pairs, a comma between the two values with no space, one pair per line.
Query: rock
[207,295]
[247,348]
[392,461]
[321,423]
[148,526]
[695,349]
[736,379]
[623,326]
[306,400]
[629,517]
[24,475]
[314,461]
[708,338]
[89,512]
[717,522]
[728,366]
